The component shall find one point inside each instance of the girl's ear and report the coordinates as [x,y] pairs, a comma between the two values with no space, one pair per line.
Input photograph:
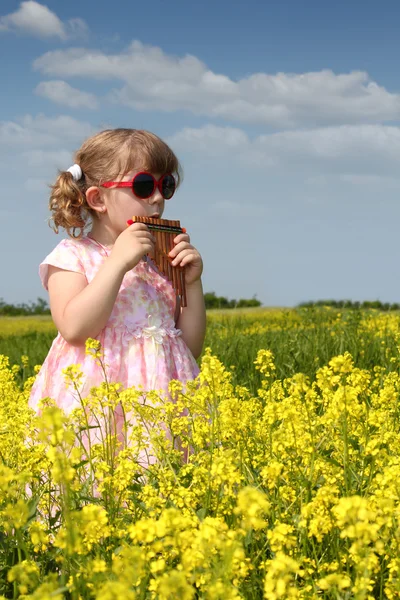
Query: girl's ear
[95,200]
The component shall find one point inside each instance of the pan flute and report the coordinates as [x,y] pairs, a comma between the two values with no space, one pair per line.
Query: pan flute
[164,232]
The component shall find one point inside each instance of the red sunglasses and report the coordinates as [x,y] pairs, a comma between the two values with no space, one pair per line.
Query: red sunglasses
[144,185]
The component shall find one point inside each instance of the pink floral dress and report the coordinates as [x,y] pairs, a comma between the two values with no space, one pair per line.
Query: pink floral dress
[140,342]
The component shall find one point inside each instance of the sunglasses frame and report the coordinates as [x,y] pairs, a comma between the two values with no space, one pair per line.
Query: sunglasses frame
[156,184]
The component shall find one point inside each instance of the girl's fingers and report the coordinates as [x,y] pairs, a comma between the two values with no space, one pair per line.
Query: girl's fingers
[145,235]
[186,256]
[188,259]
[179,247]
[137,226]
[181,237]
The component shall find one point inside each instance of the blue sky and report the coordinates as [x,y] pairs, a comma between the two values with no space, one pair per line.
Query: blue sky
[284,114]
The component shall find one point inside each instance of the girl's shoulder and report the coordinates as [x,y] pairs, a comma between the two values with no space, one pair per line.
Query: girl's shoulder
[70,255]
[69,245]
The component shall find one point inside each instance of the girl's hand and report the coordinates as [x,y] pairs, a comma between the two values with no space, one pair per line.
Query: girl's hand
[186,255]
[131,245]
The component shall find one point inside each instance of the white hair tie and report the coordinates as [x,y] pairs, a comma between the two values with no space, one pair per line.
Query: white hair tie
[75,171]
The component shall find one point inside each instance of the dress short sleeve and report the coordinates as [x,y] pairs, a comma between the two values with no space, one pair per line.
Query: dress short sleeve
[66,256]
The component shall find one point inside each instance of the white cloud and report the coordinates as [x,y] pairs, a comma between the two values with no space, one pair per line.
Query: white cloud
[76,28]
[40,131]
[32,150]
[367,179]
[211,140]
[370,180]
[351,149]
[38,20]
[358,154]
[153,80]
[38,158]
[62,93]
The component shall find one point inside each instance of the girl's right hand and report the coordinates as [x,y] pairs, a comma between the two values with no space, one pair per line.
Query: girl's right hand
[131,245]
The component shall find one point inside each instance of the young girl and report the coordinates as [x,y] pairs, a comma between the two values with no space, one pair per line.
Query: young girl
[102,284]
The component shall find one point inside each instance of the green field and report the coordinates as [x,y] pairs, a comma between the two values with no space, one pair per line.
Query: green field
[301,340]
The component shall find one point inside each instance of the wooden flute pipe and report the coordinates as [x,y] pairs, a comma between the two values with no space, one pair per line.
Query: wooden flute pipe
[164,232]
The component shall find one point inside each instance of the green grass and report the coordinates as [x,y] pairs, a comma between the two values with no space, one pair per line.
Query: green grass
[301,344]
[301,340]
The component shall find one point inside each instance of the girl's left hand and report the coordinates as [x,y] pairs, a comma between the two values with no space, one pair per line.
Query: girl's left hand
[186,255]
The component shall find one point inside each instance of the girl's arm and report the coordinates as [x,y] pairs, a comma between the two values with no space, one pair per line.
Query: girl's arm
[192,318]
[81,309]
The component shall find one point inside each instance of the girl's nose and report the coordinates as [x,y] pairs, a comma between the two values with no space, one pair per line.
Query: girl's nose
[156,198]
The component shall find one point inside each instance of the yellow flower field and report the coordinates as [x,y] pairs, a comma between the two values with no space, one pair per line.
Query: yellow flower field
[291,488]
[15,326]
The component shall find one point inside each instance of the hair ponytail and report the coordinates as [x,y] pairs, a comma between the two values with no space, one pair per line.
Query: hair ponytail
[68,205]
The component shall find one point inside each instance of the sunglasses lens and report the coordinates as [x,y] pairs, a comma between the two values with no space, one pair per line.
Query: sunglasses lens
[168,186]
[143,185]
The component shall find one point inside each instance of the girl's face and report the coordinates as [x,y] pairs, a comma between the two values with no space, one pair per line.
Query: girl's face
[121,203]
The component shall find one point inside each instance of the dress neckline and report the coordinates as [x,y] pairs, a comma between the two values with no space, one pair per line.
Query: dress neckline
[106,250]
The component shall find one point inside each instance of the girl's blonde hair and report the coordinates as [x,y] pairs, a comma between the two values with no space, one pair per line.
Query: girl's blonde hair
[103,157]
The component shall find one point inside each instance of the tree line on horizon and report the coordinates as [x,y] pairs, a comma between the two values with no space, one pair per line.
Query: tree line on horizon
[41,306]
[352,305]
